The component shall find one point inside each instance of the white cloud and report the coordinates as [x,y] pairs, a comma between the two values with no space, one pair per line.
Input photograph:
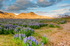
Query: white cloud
[64,5]
[61,11]
[56,13]
[16,13]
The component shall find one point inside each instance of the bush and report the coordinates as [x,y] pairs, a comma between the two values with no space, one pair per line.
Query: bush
[37,25]
[1,32]
[28,41]
[6,31]
[25,25]
[27,31]
[62,22]
[19,36]
[52,25]
[58,26]
[45,40]
[19,42]
[31,41]
[17,29]
[34,26]
[43,24]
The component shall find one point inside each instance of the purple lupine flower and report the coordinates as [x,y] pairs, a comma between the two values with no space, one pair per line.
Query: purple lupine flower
[17,29]
[0,27]
[16,35]
[32,24]
[25,39]
[10,26]
[28,31]
[30,39]
[42,44]
[23,35]
[20,36]
[0,24]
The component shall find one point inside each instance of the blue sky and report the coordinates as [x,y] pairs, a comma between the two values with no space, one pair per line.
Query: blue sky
[41,7]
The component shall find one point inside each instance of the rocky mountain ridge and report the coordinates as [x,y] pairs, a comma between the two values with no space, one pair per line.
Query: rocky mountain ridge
[30,15]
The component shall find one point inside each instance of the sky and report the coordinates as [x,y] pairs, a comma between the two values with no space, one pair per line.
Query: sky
[51,8]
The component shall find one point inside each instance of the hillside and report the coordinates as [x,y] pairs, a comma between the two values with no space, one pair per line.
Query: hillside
[30,15]
[6,15]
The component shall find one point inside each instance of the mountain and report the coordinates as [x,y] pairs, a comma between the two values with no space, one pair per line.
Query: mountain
[30,15]
[6,15]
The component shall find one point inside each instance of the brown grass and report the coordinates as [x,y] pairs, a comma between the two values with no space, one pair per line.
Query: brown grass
[57,36]
[7,40]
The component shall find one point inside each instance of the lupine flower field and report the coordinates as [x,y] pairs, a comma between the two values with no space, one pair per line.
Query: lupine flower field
[31,32]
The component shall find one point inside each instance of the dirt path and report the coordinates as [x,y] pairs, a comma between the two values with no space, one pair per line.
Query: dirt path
[61,38]
[58,37]
[66,26]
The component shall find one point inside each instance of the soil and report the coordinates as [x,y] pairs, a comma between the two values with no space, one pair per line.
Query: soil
[57,37]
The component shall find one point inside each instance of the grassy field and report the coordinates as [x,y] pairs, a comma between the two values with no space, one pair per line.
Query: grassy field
[57,36]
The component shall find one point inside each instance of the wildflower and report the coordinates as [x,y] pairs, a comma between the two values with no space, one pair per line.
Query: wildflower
[31,40]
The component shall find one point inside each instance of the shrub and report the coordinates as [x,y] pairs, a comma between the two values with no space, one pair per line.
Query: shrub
[6,31]
[27,31]
[25,25]
[17,29]
[52,25]
[31,41]
[27,41]
[58,26]
[19,42]
[1,30]
[34,26]
[19,36]
[62,22]
[43,24]
[45,40]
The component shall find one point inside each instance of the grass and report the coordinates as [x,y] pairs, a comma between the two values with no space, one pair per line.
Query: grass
[45,40]
[19,42]
[7,40]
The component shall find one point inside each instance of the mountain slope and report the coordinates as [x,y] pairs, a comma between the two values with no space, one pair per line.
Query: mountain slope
[30,15]
[6,15]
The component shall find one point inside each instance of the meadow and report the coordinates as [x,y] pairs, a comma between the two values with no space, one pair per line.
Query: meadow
[34,32]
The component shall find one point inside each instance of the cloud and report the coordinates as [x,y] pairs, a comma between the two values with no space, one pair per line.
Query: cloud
[1,3]
[61,11]
[26,4]
[22,5]
[65,5]
[45,3]
[56,13]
